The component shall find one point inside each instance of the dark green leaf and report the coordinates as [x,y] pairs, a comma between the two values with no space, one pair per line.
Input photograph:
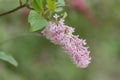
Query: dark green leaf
[8,59]
[60,4]
[51,5]
[59,9]
[36,21]
[38,5]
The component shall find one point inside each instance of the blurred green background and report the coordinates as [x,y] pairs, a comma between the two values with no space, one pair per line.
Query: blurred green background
[39,59]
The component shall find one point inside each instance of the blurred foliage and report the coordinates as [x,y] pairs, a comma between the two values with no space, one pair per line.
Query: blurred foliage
[8,58]
[39,59]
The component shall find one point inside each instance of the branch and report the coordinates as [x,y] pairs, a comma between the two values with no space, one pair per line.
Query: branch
[17,8]
[20,2]
[28,5]
[13,10]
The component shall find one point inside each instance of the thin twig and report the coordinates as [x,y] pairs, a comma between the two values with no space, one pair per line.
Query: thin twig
[13,10]
[28,5]
[17,8]
[20,2]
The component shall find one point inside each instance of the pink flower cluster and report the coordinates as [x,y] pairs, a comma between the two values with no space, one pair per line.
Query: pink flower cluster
[61,34]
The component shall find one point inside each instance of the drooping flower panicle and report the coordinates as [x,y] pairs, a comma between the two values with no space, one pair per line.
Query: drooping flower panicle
[61,34]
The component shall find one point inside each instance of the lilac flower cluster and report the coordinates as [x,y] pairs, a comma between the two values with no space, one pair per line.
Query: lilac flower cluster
[61,34]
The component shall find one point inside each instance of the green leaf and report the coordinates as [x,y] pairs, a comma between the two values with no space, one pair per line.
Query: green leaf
[60,4]
[8,58]
[36,21]
[59,9]
[51,5]
[38,5]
